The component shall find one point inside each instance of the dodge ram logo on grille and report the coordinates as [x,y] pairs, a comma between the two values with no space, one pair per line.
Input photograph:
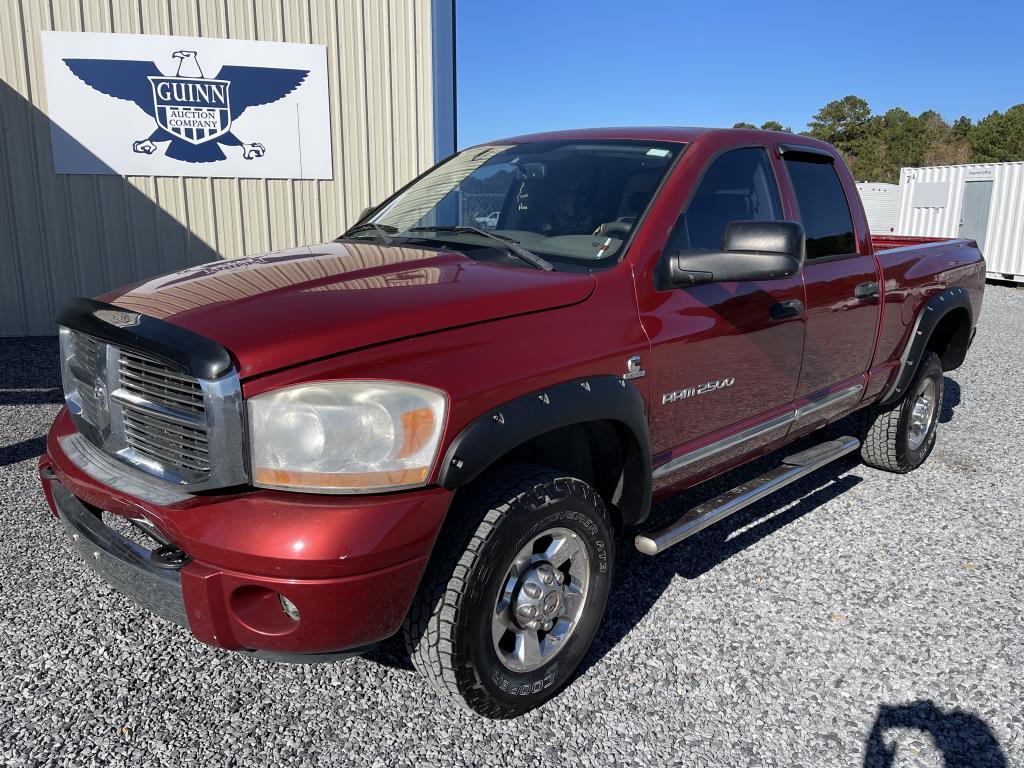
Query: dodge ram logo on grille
[122,319]
[99,391]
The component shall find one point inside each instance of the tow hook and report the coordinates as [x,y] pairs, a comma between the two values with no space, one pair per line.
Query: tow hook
[169,557]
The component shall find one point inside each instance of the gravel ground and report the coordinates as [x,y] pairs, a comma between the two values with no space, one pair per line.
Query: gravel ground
[858,616]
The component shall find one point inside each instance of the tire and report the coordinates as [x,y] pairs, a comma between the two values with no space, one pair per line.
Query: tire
[891,436]
[449,631]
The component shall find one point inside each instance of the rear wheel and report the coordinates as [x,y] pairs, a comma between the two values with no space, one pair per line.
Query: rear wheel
[899,437]
[515,592]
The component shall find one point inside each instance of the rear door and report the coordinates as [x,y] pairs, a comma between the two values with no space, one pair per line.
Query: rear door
[842,290]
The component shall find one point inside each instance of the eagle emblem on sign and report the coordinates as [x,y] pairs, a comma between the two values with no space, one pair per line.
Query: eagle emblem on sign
[193,113]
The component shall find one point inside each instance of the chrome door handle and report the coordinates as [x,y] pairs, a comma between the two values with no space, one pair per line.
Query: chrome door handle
[785,310]
[866,291]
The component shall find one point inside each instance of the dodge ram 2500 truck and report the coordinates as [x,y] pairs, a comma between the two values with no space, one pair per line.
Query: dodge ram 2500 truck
[430,428]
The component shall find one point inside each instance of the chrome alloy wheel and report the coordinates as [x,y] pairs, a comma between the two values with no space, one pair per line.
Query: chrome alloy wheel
[541,600]
[922,413]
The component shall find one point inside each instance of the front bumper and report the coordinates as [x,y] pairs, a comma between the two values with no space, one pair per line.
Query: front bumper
[128,567]
[351,565]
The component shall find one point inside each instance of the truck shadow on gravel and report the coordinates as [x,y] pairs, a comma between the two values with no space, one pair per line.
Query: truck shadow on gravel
[965,740]
[29,371]
[950,399]
[29,375]
[26,449]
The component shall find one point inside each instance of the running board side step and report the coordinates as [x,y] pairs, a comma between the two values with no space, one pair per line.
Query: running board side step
[710,512]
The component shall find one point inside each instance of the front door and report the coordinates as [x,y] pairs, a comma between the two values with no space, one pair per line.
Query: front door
[974,216]
[725,357]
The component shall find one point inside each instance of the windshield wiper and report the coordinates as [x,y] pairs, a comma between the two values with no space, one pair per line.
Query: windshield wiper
[385,231]
[511,244]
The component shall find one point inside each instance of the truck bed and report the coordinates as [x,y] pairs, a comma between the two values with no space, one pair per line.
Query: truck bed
[889,242]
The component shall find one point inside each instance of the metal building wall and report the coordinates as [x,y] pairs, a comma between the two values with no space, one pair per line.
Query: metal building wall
[391,90]
[1004,241]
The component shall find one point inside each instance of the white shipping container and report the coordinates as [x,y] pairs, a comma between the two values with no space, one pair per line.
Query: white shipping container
[881,204]
[981,201]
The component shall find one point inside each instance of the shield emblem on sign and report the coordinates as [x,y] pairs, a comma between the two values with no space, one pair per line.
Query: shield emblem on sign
[192,108]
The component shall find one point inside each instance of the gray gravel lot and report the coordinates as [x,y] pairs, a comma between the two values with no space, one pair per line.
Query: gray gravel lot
[856,615]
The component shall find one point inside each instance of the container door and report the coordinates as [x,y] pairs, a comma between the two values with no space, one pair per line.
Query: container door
[974,216]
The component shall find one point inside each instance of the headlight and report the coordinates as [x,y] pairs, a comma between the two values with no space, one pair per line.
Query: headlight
[345,436]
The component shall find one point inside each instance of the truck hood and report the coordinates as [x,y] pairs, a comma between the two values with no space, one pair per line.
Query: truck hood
[289,307]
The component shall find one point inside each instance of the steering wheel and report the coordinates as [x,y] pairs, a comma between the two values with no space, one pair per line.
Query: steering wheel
[618,229]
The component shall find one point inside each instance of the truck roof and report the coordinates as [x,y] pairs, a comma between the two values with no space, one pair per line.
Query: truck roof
[649,133]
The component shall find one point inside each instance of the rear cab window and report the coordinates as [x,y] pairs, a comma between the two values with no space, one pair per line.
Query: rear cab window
[824,209]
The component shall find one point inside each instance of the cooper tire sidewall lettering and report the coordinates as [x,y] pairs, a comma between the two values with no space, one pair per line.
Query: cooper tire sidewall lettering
[530,521]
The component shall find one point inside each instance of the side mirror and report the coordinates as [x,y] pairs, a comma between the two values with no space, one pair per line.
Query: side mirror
[751,251]
[364,213]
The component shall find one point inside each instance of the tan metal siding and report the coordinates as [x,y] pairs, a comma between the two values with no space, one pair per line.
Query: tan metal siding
[83,235]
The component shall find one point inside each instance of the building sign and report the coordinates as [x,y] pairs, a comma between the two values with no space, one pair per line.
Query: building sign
[983,173]
[152,105]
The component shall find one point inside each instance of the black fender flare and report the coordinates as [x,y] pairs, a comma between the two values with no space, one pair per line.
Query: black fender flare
[928,318]
[597,398]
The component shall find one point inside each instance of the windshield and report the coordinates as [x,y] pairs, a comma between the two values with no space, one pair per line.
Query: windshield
[570,202]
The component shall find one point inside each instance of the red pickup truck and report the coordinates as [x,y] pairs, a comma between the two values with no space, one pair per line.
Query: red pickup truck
[437,429]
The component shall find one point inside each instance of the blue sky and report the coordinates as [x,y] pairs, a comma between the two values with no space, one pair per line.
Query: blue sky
[524,65]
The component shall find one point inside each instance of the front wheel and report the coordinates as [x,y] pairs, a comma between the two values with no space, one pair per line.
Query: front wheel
[515,592]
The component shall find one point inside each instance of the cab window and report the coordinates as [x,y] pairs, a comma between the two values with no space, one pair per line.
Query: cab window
[738,186]
[824,211]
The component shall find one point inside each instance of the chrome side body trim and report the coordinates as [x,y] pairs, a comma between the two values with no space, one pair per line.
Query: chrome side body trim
[758,430]
[828,400]
[724,444]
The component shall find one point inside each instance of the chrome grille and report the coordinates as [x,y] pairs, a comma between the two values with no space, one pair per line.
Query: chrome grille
[180,446]
[157,382]
[174,431]
[152,412]
[86,366]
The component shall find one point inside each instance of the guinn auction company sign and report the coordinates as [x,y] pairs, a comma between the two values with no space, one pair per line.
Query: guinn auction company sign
[153,105]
